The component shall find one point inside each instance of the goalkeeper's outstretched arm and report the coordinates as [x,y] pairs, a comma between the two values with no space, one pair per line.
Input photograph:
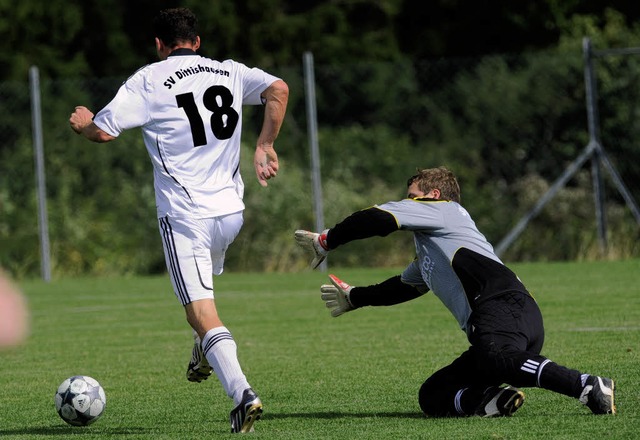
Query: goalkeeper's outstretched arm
[370,222]
[387,293]
[341,297]
[361,224]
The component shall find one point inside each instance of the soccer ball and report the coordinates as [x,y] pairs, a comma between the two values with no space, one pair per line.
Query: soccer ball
[80,400]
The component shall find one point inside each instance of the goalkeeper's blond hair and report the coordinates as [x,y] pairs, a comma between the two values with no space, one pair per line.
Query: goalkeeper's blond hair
[439,178]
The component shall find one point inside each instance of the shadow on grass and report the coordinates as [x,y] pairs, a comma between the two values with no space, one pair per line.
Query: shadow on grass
[343,415]
[67,431]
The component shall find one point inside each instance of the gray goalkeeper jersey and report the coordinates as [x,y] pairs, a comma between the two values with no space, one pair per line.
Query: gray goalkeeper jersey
[453,258]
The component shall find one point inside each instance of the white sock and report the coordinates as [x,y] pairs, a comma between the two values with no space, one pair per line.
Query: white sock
[220,350]
[456,401]
[583,379]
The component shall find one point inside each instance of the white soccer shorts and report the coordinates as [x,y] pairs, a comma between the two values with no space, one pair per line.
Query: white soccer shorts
[194,250]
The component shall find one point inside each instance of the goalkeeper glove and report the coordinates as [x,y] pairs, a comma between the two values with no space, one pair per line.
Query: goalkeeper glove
[314,243]
[336,296]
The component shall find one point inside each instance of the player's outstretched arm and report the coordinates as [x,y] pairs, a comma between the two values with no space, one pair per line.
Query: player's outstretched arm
[359,225]
[314,243]
[336,296]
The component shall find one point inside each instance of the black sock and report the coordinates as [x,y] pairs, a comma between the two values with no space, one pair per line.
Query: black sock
[554,377]
[468,401]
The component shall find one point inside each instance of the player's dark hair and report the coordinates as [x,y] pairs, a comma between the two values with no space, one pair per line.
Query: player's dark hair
[175,25]
[437,178]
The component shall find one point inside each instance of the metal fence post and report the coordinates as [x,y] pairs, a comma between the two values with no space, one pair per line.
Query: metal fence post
[312,127]
[36,125]
[594,138]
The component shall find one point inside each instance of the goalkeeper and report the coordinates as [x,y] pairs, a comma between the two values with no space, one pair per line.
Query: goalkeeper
[501,319]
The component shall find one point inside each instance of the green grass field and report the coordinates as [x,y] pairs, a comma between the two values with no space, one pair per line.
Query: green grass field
[355,376]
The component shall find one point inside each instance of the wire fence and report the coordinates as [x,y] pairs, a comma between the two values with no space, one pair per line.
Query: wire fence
[509,126]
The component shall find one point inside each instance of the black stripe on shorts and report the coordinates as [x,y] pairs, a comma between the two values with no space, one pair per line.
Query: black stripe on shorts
[172,261]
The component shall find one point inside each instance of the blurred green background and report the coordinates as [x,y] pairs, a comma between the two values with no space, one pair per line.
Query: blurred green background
[493,90]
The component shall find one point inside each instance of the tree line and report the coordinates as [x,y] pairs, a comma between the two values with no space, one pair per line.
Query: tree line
[112,38]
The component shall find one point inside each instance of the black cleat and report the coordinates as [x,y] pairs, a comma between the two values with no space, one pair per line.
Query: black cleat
[500,402]
[199,368]
[597,394]
[244,415]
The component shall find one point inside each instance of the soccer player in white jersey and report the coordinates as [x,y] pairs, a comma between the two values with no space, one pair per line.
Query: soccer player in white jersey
[501,319]
[190,111]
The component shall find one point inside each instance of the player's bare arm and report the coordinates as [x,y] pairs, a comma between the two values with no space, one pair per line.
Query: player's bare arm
[265,160]
[81,122]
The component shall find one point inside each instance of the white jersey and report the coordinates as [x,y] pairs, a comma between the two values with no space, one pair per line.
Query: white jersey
[190,110]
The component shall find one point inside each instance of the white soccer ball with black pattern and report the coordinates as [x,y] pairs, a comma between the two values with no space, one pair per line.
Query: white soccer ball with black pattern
[80,400]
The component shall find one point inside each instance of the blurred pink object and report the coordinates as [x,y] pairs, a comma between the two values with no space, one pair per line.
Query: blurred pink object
[14,316]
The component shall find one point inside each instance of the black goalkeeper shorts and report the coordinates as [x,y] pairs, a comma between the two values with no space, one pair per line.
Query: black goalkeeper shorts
[505,332]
